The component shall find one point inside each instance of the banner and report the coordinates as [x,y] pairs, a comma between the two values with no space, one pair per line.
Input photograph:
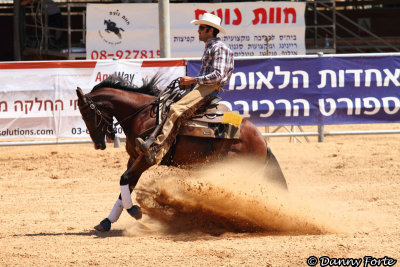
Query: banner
[130,31]
[124,31]
[247,24]
[38,99]
[314,90]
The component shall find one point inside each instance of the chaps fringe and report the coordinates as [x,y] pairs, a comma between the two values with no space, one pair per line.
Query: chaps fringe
[185,116]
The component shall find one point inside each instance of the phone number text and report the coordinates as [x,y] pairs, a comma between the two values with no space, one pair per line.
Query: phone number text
[125,54]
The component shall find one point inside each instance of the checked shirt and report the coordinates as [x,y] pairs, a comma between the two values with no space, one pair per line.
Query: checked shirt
[217,63]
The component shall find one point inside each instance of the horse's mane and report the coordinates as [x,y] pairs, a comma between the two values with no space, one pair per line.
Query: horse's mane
[149,87]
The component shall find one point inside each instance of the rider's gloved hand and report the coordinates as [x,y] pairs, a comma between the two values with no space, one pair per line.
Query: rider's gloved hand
[185,82]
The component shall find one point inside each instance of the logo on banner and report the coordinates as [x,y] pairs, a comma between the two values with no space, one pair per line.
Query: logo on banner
[128,77]
[114,28]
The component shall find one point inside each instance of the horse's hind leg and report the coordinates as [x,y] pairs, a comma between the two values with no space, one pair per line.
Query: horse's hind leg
[273,171]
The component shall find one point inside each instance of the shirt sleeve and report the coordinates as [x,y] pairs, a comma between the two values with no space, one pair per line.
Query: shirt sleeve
[220,57]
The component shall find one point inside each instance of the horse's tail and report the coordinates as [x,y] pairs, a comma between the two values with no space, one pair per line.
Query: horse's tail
[273,171]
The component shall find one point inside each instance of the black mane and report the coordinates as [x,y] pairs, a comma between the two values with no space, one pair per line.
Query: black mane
[149,87]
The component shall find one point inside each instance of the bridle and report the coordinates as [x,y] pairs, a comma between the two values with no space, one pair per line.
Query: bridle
[109,128]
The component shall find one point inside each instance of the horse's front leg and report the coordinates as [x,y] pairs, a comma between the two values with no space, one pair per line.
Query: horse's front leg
[128,181]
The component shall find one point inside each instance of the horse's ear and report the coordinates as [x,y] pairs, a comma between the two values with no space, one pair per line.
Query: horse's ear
[80,94]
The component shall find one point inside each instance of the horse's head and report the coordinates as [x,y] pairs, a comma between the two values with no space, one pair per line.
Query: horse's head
[96,121]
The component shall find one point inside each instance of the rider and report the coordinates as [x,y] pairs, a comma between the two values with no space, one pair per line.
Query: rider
[216,70]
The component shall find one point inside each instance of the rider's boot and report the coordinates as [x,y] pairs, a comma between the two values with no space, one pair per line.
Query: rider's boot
[144,146]
[147,148]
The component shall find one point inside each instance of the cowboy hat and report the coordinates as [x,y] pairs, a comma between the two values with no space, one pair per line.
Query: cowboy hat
[210,20]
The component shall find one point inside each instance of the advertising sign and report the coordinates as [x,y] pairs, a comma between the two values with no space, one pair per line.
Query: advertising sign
[314,90]
[130,31]
[39,98]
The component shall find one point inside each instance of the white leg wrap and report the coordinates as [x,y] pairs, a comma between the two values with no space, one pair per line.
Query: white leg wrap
[126,197]
[116,211]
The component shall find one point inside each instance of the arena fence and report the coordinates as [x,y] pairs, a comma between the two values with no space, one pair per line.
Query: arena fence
[275,91]
[320,134]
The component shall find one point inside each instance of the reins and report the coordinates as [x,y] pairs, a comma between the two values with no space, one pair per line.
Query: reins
[111,127]
[136,113]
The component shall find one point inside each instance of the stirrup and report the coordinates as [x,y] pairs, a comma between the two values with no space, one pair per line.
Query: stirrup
[150,157]
[144,146]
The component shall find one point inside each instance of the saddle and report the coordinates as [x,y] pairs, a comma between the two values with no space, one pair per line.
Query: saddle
[215,120]
[212,120]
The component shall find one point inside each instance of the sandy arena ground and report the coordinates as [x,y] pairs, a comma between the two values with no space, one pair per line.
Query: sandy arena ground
[343,202]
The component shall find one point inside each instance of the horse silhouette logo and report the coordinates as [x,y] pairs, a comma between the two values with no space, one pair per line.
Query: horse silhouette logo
[112,27]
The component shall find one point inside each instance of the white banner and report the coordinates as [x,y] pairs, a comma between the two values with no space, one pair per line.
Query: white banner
[125,31]
[38,99]
[131,30]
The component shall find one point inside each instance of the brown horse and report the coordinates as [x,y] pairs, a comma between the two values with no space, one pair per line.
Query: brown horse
[133,108]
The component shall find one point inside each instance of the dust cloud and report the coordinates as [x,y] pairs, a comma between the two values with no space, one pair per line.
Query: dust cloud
[229,196]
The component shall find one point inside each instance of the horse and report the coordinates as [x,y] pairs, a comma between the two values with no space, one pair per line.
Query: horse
[133,108]
[112,27]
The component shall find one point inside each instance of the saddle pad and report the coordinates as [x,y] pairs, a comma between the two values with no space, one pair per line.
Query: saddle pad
[230,129]
[232,118]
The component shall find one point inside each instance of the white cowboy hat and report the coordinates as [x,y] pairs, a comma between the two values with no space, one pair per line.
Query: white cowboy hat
[210,20]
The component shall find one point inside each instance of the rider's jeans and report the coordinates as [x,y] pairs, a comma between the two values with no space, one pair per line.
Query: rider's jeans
[180,111]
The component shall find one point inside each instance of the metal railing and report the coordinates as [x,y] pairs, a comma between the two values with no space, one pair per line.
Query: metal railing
[323,34]
[44,44]
[328,19]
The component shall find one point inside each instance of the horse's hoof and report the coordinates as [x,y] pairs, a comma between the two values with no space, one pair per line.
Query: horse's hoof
[104,226]
[135,212]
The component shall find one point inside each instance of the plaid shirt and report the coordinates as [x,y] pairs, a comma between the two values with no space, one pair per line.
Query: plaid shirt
[216,63]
